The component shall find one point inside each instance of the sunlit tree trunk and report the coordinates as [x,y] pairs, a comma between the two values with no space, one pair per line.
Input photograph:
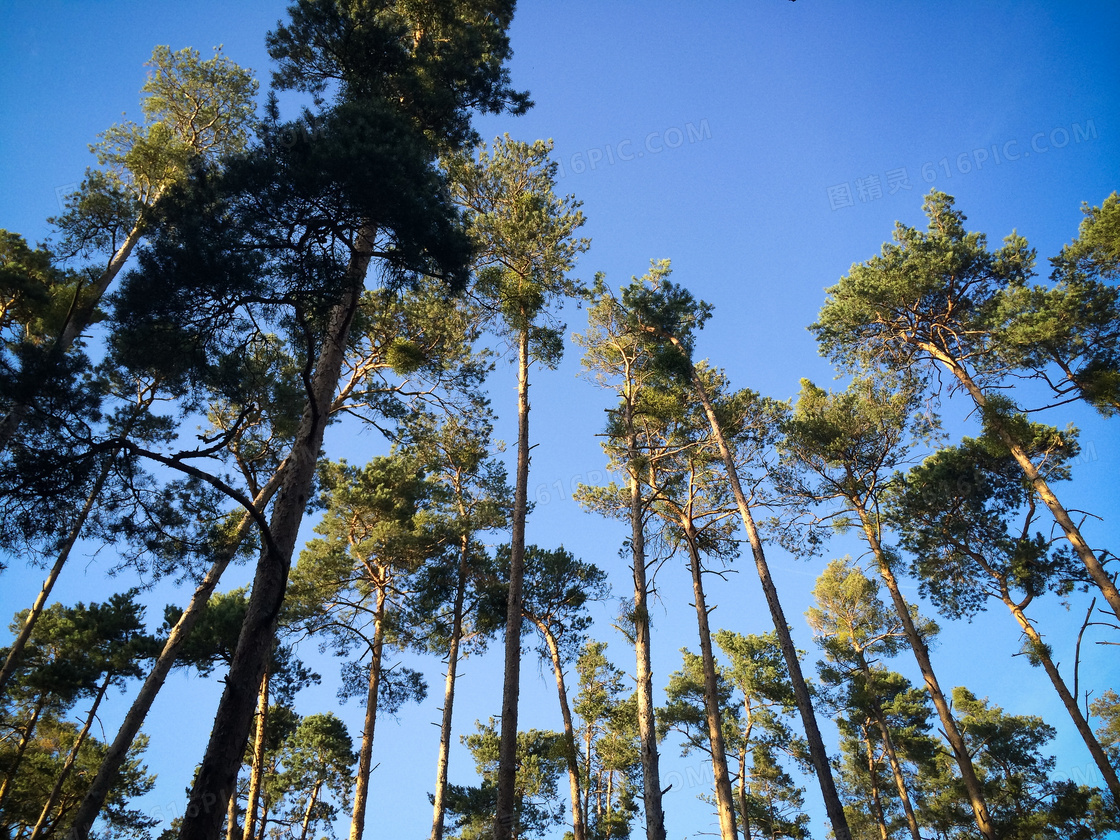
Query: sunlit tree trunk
[921,654]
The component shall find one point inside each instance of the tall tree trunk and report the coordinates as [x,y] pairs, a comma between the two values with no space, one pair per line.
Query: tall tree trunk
[439,806]
[20,642]
[647,723]
[921,654]
[310,806]
[817,753]
[76,323]
[744,817]
[725,801]
[231,817]
[256,772]
[1096,571]
[571,754]
[71,758]
[118,751]
[507,747]
[213,784]
[365,754]
[1108,772]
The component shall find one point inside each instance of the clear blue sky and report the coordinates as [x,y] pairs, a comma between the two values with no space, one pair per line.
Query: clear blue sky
[764,147]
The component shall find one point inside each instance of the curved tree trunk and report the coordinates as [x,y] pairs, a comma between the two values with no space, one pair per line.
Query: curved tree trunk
[725,802]
[921,654]
[507,748]
[213,784]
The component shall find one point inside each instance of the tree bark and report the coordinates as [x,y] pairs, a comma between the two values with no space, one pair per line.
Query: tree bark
[307,812]
[1108,772]
[507,747]
[213,784]
[725,802]
[438,799]
[118,751]
[921,654]
[365,754]
[256,773]
[571,755]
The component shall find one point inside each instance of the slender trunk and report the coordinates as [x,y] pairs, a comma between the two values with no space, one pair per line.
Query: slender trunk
[213,784]
[647,724]
[365,754]
[507,748]
[256,773]
[725,802]
[117,753]
[892,753]
[266,807]
[72,757]
[744,818]
[310,806]
[587,774]
[921,654]
[817,753]
[438,800]
[231,818]
[16,650]
[876,797]
[1068,700]
[571,755]
[24,740]
[1096,571]
[76,323]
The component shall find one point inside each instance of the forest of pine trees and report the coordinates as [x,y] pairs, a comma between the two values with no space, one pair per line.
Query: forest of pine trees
[228,281]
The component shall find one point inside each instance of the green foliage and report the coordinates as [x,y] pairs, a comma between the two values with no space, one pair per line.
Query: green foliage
[1107,708]
[926,297]
[538,805]
[1068,334]
[525,238]
[966,515]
